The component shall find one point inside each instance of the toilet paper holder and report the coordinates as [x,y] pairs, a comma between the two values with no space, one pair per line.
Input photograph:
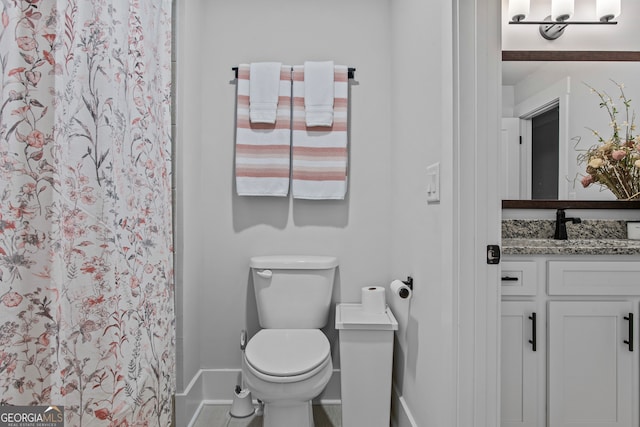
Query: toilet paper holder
[409,282]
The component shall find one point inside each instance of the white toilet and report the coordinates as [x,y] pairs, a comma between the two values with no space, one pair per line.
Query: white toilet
[288,362]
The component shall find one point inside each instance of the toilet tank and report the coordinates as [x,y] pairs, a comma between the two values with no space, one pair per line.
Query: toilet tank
[293,292]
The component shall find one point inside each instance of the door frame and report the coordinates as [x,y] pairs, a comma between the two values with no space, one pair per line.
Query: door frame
[476,122]
[558,94]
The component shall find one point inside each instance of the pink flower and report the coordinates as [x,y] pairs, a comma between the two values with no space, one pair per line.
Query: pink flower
[618,154]
[88,268]
[102,414]
[11,299]
[148,268]
[68,388]
[15,96]
[94,301]
[587,181]
[43,339]
[88,198]
[49,57]
[30,239]
[26,43]
[21,211]
[35,139]
[135,282]
[50,38]
[29,188]
[33,77]
[15,71]
[72,224]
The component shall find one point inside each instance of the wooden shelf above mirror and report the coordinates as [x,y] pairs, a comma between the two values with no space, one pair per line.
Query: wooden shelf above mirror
[570,204]
[570,55]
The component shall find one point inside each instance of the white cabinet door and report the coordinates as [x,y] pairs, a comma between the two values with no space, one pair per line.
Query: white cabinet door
[592,375]
[519,365]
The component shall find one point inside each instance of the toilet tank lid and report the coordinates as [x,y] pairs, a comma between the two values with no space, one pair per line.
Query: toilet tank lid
[294,262]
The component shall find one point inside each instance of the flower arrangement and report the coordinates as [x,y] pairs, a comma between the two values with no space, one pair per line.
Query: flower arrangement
[614,163]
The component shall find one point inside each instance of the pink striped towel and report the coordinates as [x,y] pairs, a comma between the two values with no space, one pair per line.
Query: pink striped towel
[263,149]
[320,154]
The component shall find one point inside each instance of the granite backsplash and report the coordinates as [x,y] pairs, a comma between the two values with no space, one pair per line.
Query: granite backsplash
[544,229]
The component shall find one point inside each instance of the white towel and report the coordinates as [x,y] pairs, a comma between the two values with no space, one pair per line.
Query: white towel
[320,154]
[318,93]
[262,149]
[264,87]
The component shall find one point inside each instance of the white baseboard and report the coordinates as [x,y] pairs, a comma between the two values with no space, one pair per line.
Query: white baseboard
[189,402]
[400,414]
[216,387]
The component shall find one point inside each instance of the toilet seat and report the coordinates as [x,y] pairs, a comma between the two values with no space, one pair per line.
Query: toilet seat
[287,355]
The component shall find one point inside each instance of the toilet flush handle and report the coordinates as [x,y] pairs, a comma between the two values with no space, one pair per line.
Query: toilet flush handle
[265,274]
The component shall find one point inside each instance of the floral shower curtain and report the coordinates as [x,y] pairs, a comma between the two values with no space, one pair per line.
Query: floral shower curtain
[86,286]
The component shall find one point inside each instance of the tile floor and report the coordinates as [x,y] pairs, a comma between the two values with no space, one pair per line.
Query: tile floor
[218,416]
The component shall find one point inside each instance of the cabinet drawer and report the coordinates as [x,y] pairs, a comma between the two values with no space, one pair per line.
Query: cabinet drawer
[519,278]
[594,278]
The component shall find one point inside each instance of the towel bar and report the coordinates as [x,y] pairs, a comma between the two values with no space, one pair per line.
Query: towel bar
[352,72]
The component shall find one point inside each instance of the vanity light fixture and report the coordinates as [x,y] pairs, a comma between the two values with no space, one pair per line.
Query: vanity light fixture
[608,10]
[518,9]
[561,12]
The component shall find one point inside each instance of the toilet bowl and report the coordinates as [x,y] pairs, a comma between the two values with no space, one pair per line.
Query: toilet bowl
[288,362]
[286,369]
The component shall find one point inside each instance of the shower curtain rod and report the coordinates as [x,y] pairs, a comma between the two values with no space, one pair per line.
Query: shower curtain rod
[352,72]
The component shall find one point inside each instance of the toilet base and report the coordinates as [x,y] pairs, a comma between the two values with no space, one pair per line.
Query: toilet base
[288,414]
[287,404]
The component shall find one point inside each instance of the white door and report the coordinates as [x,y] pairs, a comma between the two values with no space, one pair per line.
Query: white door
[519,364]
[592,375]
[510,158]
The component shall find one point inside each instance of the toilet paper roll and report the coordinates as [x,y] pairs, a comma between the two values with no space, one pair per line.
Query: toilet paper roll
[399,289]
[373,299]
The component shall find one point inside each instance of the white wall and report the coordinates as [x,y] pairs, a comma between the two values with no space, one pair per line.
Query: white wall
[188,241]
[623,36]
[421,237]
[401,122]
[235,228]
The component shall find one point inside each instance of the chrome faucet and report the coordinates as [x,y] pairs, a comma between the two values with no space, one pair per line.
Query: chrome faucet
[561,225]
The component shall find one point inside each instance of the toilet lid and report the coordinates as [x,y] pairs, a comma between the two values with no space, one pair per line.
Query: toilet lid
[287,352]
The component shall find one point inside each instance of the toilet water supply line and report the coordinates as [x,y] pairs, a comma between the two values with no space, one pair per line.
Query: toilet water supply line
[241,387]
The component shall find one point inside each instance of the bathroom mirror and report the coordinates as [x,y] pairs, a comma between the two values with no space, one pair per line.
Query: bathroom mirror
[539,83]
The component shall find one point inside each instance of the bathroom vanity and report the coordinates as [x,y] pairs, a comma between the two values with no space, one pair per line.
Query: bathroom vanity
[570,353]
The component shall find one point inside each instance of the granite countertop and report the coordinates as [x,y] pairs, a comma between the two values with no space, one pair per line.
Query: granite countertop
[511,246]
[591,237]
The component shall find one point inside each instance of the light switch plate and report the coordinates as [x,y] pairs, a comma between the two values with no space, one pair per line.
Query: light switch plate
[433,183]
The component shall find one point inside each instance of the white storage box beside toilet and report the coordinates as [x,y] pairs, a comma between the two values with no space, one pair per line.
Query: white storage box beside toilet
[366,361]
